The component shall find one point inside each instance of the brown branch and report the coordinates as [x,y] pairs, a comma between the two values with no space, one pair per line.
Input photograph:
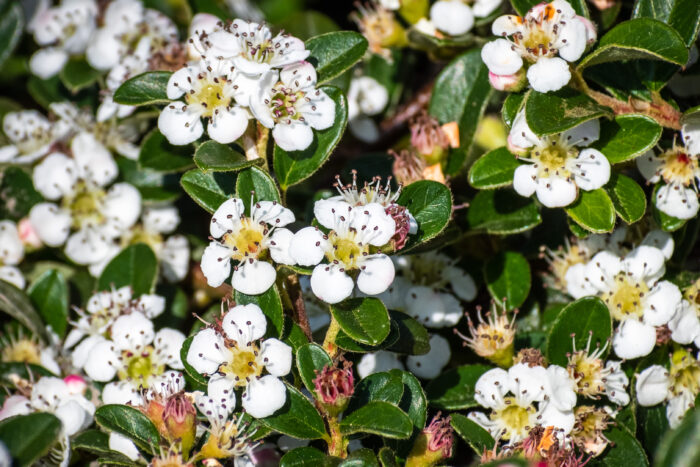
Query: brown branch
[298,307]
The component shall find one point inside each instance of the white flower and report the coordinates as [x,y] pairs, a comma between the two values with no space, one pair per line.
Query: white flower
[11,254]
[30,135]
[522,398]
[227,435]
[289,103]
[355,234]
[556,166]
[430,365]
[244,239]
[16,347]
[62,31]
[235,357]
[631,289]
[366,98]
[377,362]
[452,16]
[548,37]
[124,445]
[211,89]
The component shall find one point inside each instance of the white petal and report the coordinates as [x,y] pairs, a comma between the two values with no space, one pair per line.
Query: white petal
[330,284]
[650,166]
[678,406]
[226,217]
[221,390]
[253,277]
[652,385]
[376,275]
[55,176]
[520,134]
[122,392]
[645,263]
[452,16]
[167,343]
[273,213]
[101,364]
[523,182]
[584,134]
[378,362]
[561,388]
[595,170]
[293,136]
[616,384]
[228,125]
[277,357]
[94,161]
[575,34]
[506,25]
[265,396]
[47,62]
[371,219]
[132,332]
[602,268]
[529,383]
[123,445]
[549,74]
[561,420]
[12,250]
[500,58]
[556,192]
[12,275]
[661,240]
[430,365]
[306,247]
[180,82]
[103,52]
[15,405]
[634,339]
[82,351]
[483,8]
[661,303]
[462,283]
[216,264]
[87,246]
[691,129]
[122,205]
[369,96]
[677,201]
[431,308]
[491,387]
[161,219]
[179,126]
[329,211]
[206,351]
[685,325]
[175,258]
[279,246]
[244,323]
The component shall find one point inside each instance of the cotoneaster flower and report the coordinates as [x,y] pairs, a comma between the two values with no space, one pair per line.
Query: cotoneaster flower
[229,435]
[11,254]
[456,17]
[30,136]
[685,324]
[234,356]
[288,102]
[250,241]
[494,336]
[17,347]
[558,165]
[349,253]
[549,37]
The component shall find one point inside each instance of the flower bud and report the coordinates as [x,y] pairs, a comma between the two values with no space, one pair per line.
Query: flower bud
[433,445]
[180,419]
[403,225]
[27,234]
[76,384]
[429,138]
[509,83]
[334,386]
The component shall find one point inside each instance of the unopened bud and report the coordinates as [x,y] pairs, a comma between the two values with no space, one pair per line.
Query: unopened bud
[403,225]
[433,445]
[180,419]
[510,83]
[76,384]
[334,386]
[27,234]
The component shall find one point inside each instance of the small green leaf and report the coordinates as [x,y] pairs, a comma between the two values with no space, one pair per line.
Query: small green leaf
[159,155]
[511,106]
[413,401]
[593,210]
[584,316]
[363,457]
[28,437]
[334,52]
[49,294]
[454,389]
[627,136]
[16,304]
[381,386]
[11,26]
[502,212]
[304,457]
[254,179]
[94,441]
[190,372]
[365,320]
[311,358]
[653,424]
[210,189]
[494,169]
[628,198]
[295,166]
[77,74]
[641,38]
[474,435]
[17,194]
[413,337]
[430,203]
[217,157]
[271,305]
[144,89]
[666,222]
[379,418]
[129,422]
[624,450]
[507,277]
[555,112]
[297,418]
[135,266]
[681,447]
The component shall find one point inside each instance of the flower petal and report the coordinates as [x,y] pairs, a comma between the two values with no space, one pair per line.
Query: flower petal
[307,246]
[277,357]
[264,396]
[244,323]
[652,386]
[634,339]
[253,277]
[216,264]
[227,125]
[330,284]
[548,74]
[178,125]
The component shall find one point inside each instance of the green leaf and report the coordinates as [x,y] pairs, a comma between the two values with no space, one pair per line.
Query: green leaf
[627,136]
[460,94]
[363,457]
[193,375]
[297,418]
[641,38]
[584,316]
[24,370]
[365,320]
[159,155]
[511,106]
[682,15]
[28,437]
[254,179]
[383,386]
[430,203]
[271,305]
[666,222]
[94,441]
[653,424]
[16,304]
[334,52]
[454,389]
[11,26]
[307,24]
[379,418]
[593,210]
[522,7]
[413,401]
[502,212]
[507,277]
[628,197]
[311,358]
[129,422]
[210,189]
[494,169]
[625,450]
[295,166]
[681,447]
[304,457]
[217,157]
[144,89]
[555,112]
[135,266]
[77,74]
[49,294]
[413,337]
[387,457]
[475,436]
[17,194]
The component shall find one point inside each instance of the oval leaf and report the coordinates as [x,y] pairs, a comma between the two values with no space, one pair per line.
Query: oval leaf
[454,389]
[474,435]
[311,358]
[502,212]
[559,111]
[303,457]
[129,422]
[625,450]
[78,74]
[681,447]
[334,52]
[11,26]
[49,294]
[28,437]
[381,386]
[365,320]
[256,180]
[507,277]
[209,190]
[16,304]
[159,155]
[297,418]
[135,266]
[494,169]
[378,418]
[217,157]
[144,89]
[627,137]
[593,210]
[628,198]
[430,203]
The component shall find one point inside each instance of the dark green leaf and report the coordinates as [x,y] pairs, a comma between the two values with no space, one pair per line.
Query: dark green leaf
[24,370]
[382,386]
[666,222]
[625,450]
[555,112]
[511,106]
[94,441]
[28,437]
[159,155]
[307,24]
[507,277]
[365,320]
[628,198]
[413,337]
[11,26]
[334,52]
[502,212]
[653,424]
[135,266]
[454,389]
[363,457]
[682,15]
[49,294]
[129,422]
[431,204]
[379,418]
[17,194]
[494,169]
[210,189]
[303,457]
[627,137]
[593,210]
[413,401]
[78,74]
[681,446]
[297,418]
[311,358]
[144,89]
[16,304]
[218,157]
[271,304]
[475,436]
[254,179]
[387,457]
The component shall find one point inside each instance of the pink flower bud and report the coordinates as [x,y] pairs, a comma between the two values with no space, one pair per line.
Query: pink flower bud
[428,138]
[180,419]
[403,224]
[76,384]
[334,386]
[510,83]
[27,234]
[440,437]
[517,150]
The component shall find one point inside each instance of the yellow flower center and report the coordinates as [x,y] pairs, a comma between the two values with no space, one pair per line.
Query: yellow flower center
[22,350]
[346,250]
[587,372]
[85,204]
[625,298]
[551,157]
[243,364]
[514,417]
[678,167]
[245,241]
[684,373]
[140,368]
[209,94]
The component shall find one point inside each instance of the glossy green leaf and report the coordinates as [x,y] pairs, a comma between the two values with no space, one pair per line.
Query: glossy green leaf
[584,316]
[94,441]
[363,457]
[681,446]
[682,15]
[49,294]
[555,112]
[502,212]
[254,179]
[460,95]
[641,38]
[303,457]
[210,189]
[271,305]
[383,386]
[159,155]
[144,89]
[624,450]
[78,74]
[413,400]
[430,203]
[11,26]
[334,52]
[295,166]
[627,136]
[593,210]
[507,276]
[307,24]
[666,222]
[365,320]
[454,389]
[511,106]
[28,437]
[191,374]
[217,157]
[17,194]
[311,358]
[627,197]
[494,169]
[129,422]
[379,418]
[135,266]
[474,435]
[297,418]
[653,425]
[16,304]
[413,337]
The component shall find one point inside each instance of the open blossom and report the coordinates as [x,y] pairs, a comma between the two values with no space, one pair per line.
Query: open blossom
[557,166]
[82,204]
[545,40]
[30,136]
[456,17]
[494,336]
[247,240]
[350,247]
[229,435]
[524,397]
[366,98]
[594,376]
[18,347]
[289,103]
[11,254]
[685,324]
[235,356]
